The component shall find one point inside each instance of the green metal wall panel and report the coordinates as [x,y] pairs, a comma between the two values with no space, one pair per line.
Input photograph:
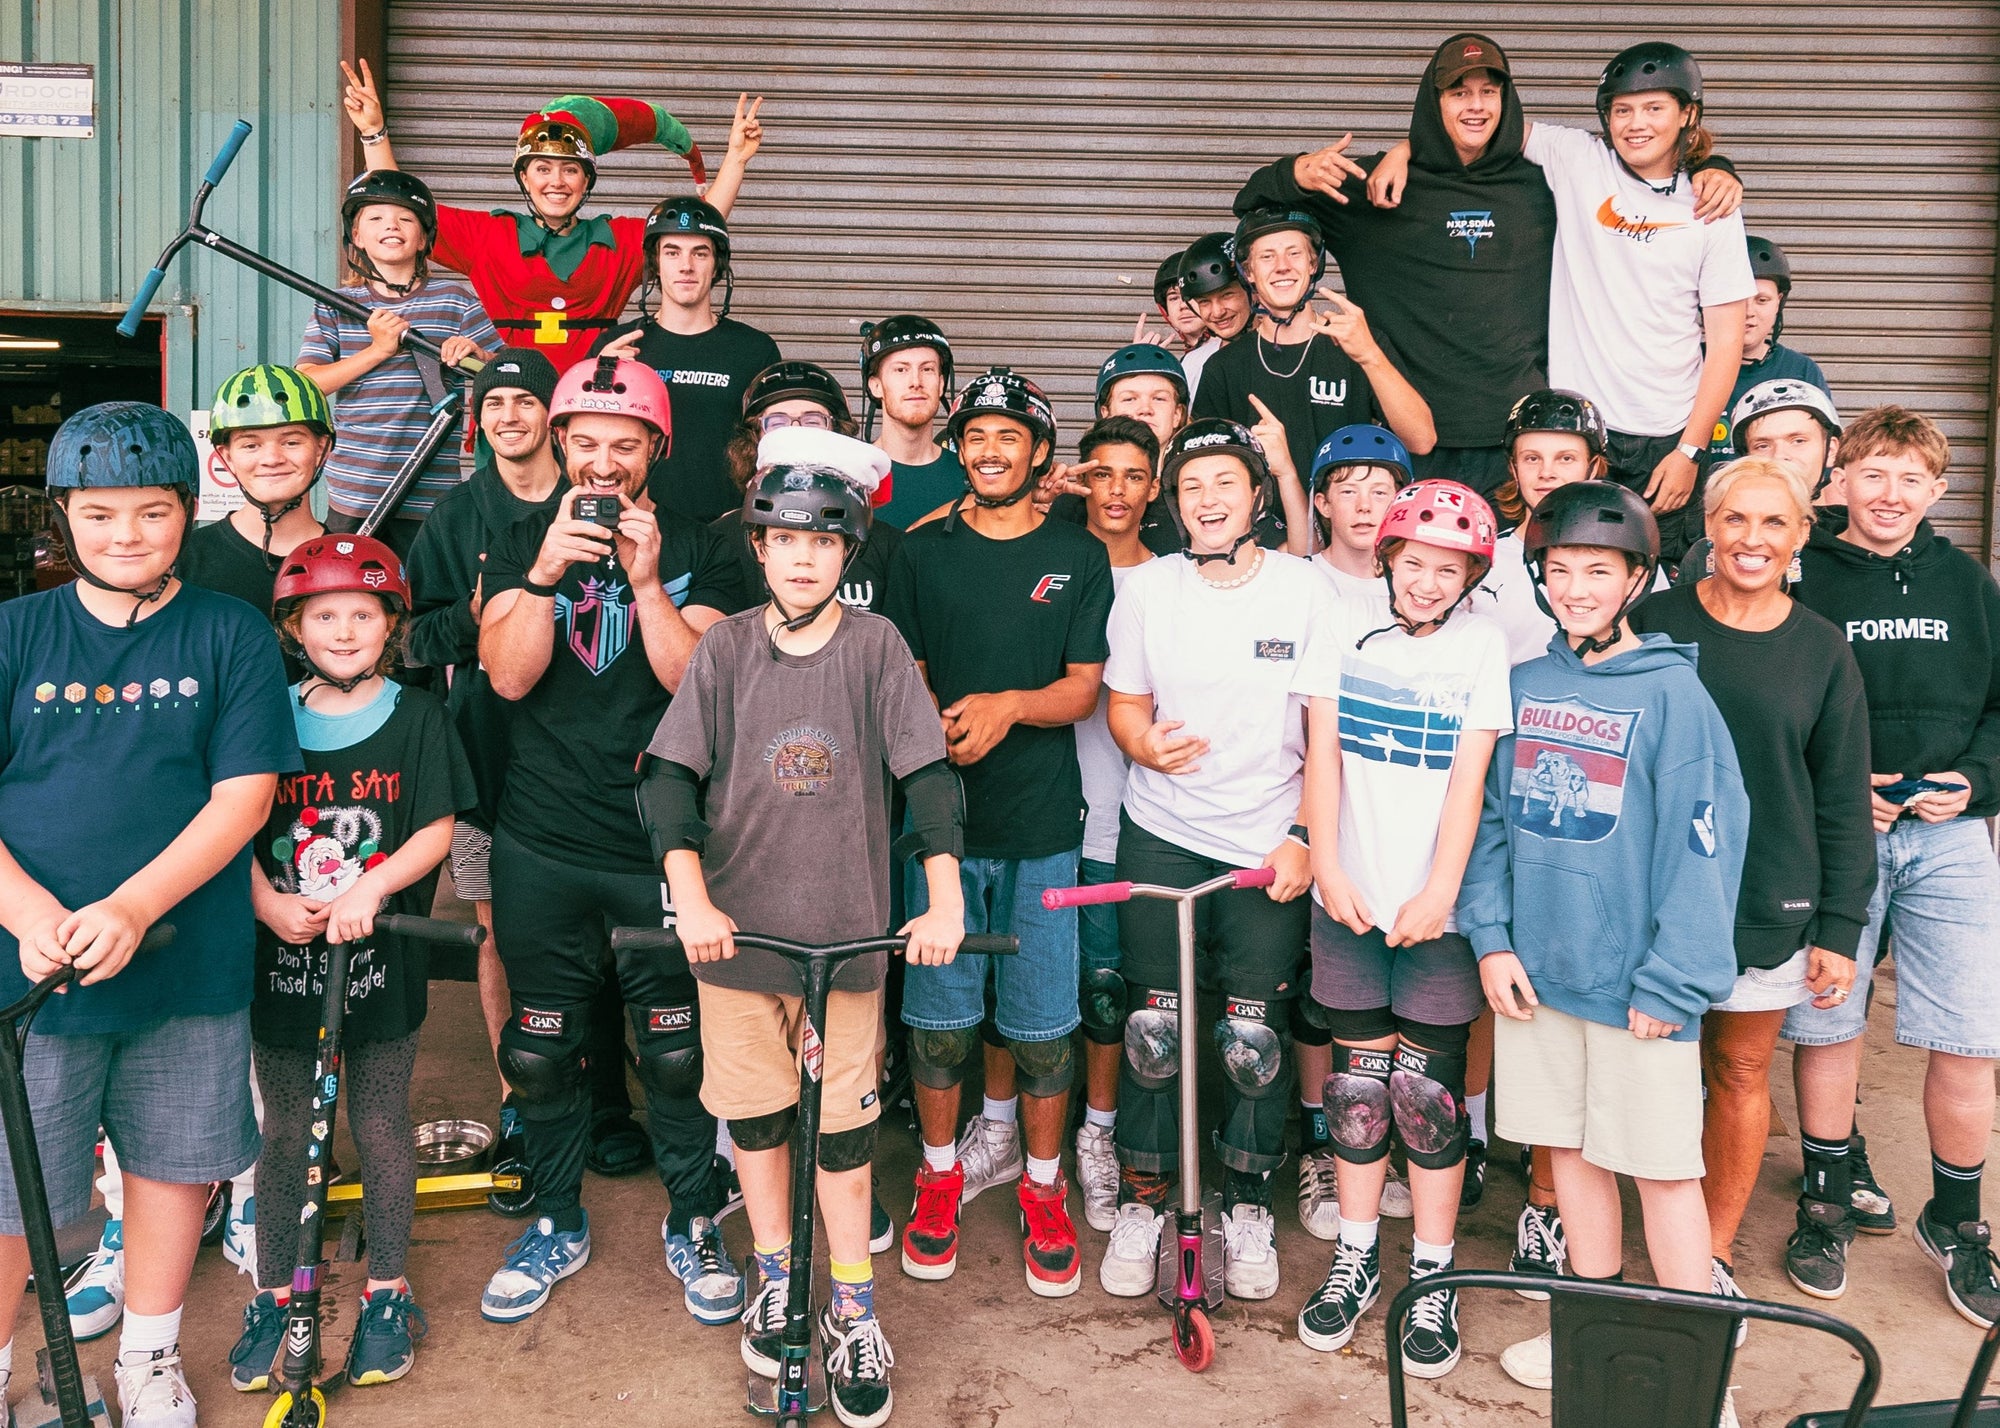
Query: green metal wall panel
[84,218]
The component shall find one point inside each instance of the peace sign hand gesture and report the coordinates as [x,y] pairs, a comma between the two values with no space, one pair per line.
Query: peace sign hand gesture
[746,130]
[358,96]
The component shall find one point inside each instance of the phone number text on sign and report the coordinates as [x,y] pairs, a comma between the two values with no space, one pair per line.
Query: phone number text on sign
[47,100]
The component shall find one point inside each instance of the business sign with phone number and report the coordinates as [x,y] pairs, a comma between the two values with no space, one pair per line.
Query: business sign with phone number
[47,100]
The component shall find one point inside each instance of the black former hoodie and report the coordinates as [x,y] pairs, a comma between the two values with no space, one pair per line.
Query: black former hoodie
[1924,625]
[1457,276]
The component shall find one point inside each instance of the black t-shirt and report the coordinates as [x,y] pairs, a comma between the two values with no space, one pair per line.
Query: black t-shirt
[348,811]
[576,736]
[1314,388]
[217,557]
[861,588]
[705,377]
[986,615]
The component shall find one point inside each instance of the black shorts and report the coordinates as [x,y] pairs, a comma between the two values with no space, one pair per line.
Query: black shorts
[1255,943]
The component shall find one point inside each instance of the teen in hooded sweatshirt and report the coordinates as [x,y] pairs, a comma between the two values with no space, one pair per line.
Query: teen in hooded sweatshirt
[1601,898]
[1456,274]
[1923,622]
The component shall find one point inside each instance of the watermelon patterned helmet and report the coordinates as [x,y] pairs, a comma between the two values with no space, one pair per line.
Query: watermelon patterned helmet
[268,395]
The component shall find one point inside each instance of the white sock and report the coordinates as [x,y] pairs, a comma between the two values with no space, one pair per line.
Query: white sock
[1475,1110]
[1044,1172]
[1094,1117]
[724,1146]
[1002,1111]
[146,1334]
[1431,1254]
[940,1158]
[6,1364]
[1359,1233]
[111,1184]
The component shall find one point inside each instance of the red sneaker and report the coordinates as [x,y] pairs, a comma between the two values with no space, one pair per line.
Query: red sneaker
[1055,1265]
[930,1240]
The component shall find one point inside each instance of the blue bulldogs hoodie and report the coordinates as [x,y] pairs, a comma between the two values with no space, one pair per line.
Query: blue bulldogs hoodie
[1612,840]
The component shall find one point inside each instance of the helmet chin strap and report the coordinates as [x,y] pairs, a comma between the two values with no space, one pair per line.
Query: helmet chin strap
[1226,556]
[989,503]
[1398,621]
[1594,644]
[272,515]
[793,624]
[142,595]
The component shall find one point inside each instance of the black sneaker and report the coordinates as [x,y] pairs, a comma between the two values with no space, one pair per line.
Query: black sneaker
[1540,1246]
[1816,1254]
[1874,1213]
[1966,1256]
[764,1327]
[1474,1189]
[1352,1284]
[858,1361]
[1430,1333]
[881,1229]
[510,1157]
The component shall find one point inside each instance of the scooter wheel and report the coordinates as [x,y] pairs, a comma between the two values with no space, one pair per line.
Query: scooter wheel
[1194,1340]
[290,1412]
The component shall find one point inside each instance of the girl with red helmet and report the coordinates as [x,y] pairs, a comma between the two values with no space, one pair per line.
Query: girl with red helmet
[361,831]
[1412,688]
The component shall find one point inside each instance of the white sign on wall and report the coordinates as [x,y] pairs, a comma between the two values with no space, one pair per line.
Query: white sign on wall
[47,100]
[219,492]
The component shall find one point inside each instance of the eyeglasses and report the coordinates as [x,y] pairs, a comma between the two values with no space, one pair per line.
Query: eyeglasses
[815,421]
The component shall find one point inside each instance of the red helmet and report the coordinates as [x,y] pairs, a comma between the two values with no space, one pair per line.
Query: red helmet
[1440,513]
[332,564]
[616,386]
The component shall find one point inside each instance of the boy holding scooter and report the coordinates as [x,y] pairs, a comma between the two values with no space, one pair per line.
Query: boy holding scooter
[143,727]
[360,832]
[780,746]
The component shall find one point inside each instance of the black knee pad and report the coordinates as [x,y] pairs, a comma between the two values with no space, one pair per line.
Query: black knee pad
[764,1132]
[1374,1024]
[1252,1050]
[1427,1094]
[848,1149]
[1153,1036]
[989,1032]
[1102,1002]
[1430,1036]
[1356,1097]
[1308,1027]
[937,1058]
[541,1055]
[1043,1068]
[669,1062]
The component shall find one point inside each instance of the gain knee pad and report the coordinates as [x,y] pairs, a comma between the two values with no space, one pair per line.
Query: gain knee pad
[670,1053]
[1102,1004]
[541,1055]
[1427,1095]
[1043,1068]
[1153,1038]
[937,1058]
[1253,1054]
[1356,1098]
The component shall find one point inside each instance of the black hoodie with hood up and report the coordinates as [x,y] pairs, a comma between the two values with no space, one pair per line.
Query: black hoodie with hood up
[1457,276]
[1924,625]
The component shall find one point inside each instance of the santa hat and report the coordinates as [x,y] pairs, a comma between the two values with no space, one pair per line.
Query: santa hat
[607,125]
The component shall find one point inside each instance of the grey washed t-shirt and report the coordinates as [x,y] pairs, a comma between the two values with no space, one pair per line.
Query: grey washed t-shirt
[799,753]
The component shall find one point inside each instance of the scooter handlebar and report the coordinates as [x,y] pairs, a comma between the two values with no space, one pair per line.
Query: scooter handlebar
[149,288]
[1255,877]
[239,132]
[653,939]
[158,935]
[429,929]
[1055,899]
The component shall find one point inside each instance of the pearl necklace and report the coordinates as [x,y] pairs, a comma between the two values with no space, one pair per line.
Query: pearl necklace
[1244,579]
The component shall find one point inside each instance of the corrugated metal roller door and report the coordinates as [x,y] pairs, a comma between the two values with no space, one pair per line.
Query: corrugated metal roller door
[1017,172]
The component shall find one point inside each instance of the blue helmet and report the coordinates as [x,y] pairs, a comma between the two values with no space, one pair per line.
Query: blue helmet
[123,444]
[1137,359]
[1362,445]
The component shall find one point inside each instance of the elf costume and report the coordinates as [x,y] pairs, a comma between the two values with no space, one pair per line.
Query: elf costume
[556,292]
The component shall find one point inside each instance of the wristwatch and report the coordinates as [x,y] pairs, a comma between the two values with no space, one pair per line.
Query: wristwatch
[1689,450]
[1297,833]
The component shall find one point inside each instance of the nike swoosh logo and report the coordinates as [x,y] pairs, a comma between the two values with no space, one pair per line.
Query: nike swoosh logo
[1618,223]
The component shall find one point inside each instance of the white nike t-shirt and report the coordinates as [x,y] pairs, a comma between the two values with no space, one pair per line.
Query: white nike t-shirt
[1404,702]
[1103,766]
[1633,270]
[1223,662]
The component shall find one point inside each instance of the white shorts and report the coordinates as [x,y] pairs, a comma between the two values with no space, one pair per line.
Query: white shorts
[1763,989]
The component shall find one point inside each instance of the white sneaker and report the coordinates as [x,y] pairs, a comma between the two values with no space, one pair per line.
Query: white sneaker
[1723,1284]
[1396,1201]
[1530,1363]
[989,1152]
[1319,1195]
[1250,1253]
[1728,1418]
[239,1235]
[153,1390]
[96,1290]
[1097,1175]
[1130,1264]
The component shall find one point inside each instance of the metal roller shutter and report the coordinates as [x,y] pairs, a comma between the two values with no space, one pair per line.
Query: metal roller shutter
[1017,172]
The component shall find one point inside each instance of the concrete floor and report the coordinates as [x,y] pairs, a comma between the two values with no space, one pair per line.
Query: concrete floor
[615,1347]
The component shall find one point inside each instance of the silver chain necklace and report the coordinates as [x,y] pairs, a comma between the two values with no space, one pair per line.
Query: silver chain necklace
[1296,366]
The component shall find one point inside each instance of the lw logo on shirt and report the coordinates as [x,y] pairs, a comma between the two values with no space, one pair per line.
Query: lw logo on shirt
[1470,224]
[1328,393]
[1568,780]
[597,626]
[1048,585]
[1701,829]
[802,760]
[857,594]
[1387,721]
[1639,230]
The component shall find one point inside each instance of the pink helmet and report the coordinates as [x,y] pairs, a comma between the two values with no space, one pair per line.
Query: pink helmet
[1440,513]
[615,386]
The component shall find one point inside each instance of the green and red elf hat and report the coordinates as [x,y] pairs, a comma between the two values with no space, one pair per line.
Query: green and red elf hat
[581,127]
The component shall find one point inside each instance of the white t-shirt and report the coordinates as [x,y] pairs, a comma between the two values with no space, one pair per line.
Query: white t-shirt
[1103,766]
[1344,585]
[1633,269]
[1196,358]
[1404,701]
[1529,627]
[1223,662]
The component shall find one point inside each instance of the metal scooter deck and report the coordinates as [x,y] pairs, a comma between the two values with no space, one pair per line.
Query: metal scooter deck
[760,1394]
[40,1409]
[1166,1275]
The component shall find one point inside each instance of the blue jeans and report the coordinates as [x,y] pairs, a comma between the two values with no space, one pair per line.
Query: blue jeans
[1035,990]
[1938,885]
[1097,923]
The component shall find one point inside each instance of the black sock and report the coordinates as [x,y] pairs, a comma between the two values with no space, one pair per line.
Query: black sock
[567,1221]
[1954,1192]
[1617,1276]
[1829,1172]
[1245,1187]
[1139,1187]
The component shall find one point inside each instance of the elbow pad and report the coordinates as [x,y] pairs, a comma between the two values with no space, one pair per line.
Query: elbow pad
[937,814]
[669,797]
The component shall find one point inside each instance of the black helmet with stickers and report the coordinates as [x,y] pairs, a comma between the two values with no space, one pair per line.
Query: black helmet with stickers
[692,218]
[793,380]
[1209,266]
[1167,277]
[807,498]
[1262,222]
[899,334]
[1603,514]
[1554,409]
[393,187]
[1001,391]
[1216,436]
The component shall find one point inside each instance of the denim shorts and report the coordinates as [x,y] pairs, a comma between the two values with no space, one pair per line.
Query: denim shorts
[1035,991]
[173,1098]
[1938,885]
[1769,989]
[1097,924]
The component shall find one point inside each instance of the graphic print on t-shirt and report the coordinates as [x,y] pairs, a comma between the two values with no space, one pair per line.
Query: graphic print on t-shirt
[326,848]
[1568,781]
[802,760]
[598,623]
[1415,724]
[1471,224]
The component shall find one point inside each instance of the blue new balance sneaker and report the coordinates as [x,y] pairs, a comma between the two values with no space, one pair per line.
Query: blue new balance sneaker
[700,1261]
[541,1256]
